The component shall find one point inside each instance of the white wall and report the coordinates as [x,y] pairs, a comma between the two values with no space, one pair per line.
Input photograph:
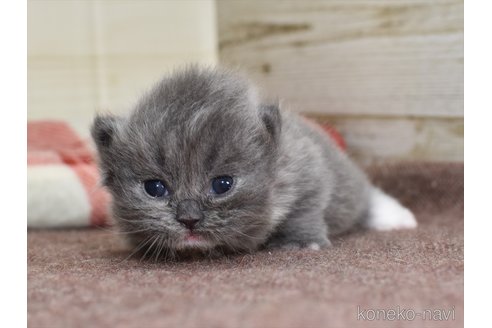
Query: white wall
[88,56]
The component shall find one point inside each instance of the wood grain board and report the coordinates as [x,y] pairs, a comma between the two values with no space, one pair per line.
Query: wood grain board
[389,74]
[372,139]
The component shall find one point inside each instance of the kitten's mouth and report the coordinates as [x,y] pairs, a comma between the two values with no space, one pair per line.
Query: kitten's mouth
[194,240]
[192,236]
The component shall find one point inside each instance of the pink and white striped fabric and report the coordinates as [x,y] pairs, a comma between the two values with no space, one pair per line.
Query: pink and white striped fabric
[62,179]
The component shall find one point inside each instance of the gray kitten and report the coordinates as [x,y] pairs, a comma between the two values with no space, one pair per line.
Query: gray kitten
[202,165]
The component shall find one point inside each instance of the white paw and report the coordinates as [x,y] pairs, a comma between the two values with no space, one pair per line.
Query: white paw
[386,213]
[314,246]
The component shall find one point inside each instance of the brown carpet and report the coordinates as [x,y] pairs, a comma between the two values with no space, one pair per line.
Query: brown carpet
[77,278]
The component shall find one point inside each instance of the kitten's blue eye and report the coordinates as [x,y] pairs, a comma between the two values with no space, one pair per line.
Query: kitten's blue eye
[222,184]
[155,188]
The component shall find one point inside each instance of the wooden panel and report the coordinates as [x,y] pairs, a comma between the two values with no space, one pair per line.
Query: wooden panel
[350,57]
[375,138]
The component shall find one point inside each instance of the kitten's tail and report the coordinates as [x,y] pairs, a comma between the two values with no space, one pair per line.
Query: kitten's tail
[386,213]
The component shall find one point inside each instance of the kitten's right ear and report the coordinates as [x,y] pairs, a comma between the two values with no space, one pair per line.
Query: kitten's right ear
[103,130]
[270,115]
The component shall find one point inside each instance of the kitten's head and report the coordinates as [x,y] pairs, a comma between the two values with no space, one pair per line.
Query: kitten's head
[192,167]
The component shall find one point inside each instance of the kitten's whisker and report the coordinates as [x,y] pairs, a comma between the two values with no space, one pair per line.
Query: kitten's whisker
[137,248]
[150,247]
[154,249]
[169,252]
[114,230]
[246,235]
[231,246]
[136,221]
[131,232]
[161,246]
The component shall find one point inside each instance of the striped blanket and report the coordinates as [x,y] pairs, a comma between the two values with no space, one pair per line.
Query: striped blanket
[62,179]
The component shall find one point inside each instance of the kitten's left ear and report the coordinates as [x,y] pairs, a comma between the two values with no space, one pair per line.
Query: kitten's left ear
[270,115]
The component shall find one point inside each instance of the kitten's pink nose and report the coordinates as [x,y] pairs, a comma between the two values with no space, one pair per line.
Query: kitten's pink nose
[189,213]
[188,222]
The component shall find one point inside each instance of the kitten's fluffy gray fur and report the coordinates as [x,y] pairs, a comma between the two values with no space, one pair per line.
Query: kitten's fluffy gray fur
[292,186]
